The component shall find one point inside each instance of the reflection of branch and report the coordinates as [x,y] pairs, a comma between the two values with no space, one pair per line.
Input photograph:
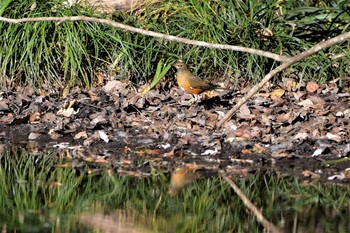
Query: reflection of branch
[150,33]
[322,45]
[259,216]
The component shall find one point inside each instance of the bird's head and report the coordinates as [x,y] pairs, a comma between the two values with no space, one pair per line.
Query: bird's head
[180,65]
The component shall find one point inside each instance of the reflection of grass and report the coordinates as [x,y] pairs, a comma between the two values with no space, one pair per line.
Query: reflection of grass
[34,193]
[71,52]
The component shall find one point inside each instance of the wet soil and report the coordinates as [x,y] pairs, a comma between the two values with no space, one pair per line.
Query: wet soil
[289,128]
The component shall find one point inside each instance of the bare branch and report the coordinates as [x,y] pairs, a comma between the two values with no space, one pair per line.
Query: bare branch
[149,33]
[270,227]
[320,46]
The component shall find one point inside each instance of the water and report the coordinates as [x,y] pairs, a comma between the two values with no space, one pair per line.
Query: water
[55,190]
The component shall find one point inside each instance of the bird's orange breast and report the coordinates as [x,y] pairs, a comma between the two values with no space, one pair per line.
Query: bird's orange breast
[190,83]
[186,86]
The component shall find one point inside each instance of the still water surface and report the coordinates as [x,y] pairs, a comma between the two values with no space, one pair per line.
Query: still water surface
[49,191]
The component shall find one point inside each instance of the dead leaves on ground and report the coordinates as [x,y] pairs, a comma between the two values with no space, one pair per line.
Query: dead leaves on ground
[291,120]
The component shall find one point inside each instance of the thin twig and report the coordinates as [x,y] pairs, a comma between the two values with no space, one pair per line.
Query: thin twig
[259,216]
[320,46]
[274,56]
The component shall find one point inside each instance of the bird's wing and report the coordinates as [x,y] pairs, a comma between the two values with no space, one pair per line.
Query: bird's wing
[197,82]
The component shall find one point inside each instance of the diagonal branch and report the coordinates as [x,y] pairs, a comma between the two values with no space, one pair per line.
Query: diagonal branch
[149,33]
[320,46]
[270,227]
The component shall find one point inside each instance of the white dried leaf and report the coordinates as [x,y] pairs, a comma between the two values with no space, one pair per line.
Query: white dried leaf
[334,137]
[318,152]
[103,136]
[305,103]
[340,176]
[302,136]
[210,152]
[33,136]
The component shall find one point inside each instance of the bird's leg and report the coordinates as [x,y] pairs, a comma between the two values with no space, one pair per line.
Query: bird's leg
[194,99]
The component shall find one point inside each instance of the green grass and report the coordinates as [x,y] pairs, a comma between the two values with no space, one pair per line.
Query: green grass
[70,53]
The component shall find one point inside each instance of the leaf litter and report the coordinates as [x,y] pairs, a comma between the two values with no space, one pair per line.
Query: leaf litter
[291,128]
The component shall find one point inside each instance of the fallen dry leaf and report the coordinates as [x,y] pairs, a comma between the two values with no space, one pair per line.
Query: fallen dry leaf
[103,136]
[259,149]
[148,151]
[68,110]
[246,151]
[285,117]
[279,155]
[48,117]
[310,174]
[92,95]
[34,118]
[277,93]
[244,111]
[100,160]
[312,87]
[240,172]
[334,137]
[114,85]
[80,135]
[33,136]
[305,103]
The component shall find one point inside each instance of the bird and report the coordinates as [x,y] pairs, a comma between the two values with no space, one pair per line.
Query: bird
[181,177]
[191,83]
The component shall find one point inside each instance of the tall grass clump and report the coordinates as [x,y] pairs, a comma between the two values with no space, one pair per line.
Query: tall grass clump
[71,53]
